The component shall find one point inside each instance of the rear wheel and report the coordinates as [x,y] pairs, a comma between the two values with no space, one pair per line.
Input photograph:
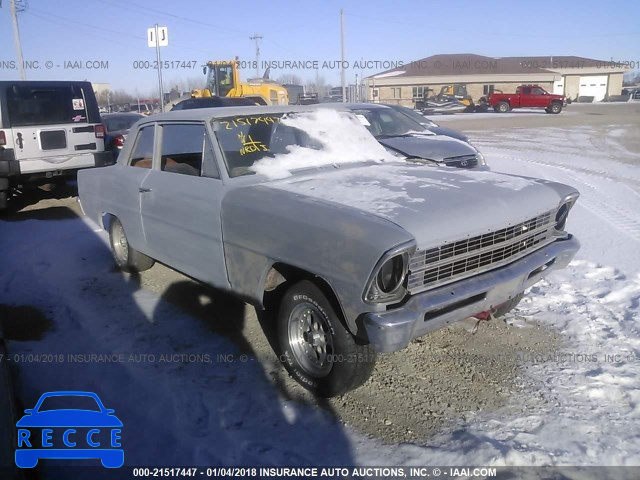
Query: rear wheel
[503,107]
[127,258]
[315,346]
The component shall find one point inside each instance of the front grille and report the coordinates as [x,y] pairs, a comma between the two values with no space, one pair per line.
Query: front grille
[462,161]
[455,260]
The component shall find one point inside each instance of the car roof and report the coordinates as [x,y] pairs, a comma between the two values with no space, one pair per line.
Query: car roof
[221,112]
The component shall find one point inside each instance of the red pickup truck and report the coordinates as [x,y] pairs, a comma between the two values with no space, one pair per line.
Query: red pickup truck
[527,96]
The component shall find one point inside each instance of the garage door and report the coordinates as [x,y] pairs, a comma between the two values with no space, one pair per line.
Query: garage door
[593,86]
[558,87]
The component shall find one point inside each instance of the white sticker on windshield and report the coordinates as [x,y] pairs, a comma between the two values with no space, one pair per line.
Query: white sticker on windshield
[363,120]
[78,104]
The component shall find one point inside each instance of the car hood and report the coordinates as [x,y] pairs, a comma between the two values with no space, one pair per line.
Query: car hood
[449,133]
[69,418]
[431,147]
[434,204]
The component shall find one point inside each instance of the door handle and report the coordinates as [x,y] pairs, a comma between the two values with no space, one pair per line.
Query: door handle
[144,190]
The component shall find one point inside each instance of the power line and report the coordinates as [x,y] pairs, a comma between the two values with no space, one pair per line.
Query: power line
[146,10]
[493,34]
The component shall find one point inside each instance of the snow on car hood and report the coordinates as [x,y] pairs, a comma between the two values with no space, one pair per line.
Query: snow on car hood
[431,147]
[434,204]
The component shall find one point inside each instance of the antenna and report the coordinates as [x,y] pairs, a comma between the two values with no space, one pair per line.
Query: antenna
[256,38]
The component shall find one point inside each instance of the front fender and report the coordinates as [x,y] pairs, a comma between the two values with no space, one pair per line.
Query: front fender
[263,226]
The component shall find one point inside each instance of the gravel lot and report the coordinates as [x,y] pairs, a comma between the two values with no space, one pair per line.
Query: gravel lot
[449,375]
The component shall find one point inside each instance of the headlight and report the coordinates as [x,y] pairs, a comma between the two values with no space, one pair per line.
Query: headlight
[482,162]
[563,210]
[386,283]
[561,216]
[391,274]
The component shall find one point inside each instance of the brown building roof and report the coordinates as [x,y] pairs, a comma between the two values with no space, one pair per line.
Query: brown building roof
[471,64]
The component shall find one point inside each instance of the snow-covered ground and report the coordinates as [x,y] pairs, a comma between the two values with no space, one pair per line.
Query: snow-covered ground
[199,410]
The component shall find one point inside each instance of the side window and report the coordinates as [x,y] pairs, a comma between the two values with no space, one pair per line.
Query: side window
[142,155]
[183,146]
[526,91]
[536,91]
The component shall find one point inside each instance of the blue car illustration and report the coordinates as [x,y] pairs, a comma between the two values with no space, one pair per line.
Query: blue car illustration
[88,432]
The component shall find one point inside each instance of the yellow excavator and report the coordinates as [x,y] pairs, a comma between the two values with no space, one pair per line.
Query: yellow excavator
[223,80]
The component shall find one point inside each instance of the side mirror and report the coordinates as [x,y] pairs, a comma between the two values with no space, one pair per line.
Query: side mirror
[29,411]
[109,411]
[204,70]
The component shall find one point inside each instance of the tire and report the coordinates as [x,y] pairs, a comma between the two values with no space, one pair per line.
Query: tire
[127,258]
[508,306]
[503,107]
[337,363]
[555,108]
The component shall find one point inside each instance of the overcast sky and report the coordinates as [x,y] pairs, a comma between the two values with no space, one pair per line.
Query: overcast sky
[114,32]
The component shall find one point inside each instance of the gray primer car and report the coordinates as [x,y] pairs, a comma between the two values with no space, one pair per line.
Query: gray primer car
[406,138]
[299,211]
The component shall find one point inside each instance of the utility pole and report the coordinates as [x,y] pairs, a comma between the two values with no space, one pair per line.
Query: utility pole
[256,38]
[17,6]
[342,79]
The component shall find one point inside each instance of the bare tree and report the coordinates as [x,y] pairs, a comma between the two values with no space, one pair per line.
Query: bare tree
[289,78]
[319,86]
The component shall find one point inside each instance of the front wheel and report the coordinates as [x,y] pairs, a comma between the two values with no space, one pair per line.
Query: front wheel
[127,257]
[555,108]
[315,346]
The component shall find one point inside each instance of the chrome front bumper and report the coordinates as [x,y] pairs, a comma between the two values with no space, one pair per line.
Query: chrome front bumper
[425,312]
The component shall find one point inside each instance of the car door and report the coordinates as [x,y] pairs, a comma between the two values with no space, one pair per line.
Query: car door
[136,168]
[538,97]
[180,202]
[524,98]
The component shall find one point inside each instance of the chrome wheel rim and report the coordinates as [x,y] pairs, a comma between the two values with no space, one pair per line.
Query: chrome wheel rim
[310,339]
[119,243]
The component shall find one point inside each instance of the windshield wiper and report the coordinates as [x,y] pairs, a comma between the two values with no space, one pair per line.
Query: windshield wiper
[397,135]
[422,161]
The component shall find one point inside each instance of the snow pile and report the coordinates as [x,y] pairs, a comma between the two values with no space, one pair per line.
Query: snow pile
[343,140]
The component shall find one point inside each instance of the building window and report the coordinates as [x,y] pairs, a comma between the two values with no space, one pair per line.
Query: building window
[488,89]
[395,92]
[418,92]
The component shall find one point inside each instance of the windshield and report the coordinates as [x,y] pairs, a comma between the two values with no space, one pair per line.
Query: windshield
[386,122]
[276,144]
[120,122]
[415,116]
